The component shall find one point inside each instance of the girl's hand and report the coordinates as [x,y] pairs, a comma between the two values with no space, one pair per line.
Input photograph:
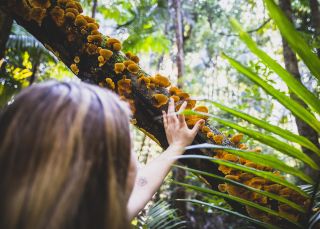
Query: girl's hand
[177,132]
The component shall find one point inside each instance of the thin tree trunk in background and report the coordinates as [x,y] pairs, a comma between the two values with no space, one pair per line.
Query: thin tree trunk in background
[5,29]
[35,70]
[179,174]
[291,64]
[94,8]
[315,19]
[179,40]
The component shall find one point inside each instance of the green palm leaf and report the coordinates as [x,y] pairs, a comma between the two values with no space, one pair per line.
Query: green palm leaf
[264,138]
[264,193]
[238,200]
[294,39]
[266,175]
[292,105]
[262,159]
[265,225]
[293,84]
[161,216]
[269,127]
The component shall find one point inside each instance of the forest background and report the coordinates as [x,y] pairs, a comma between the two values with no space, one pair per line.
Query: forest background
[184,40]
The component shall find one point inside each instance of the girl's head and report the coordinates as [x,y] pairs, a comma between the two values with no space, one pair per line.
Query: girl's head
[64,157]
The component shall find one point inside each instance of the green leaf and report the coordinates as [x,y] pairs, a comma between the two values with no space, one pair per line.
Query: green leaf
[294,39]
[261,159]
[269,127]
[237,199]
[266,175]
[293,84]
[268,194]
[264,138]
[265,225]
[292,105]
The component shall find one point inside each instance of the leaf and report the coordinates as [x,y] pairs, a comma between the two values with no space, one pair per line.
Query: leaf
[266,175]
[292,105]
[293,84]
[264,138]
[268,194]
[269,127]
[238,200]
[296,42]
[162,216]
[262,159]
[265,225]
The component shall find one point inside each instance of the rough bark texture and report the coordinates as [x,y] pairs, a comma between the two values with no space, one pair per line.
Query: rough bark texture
[291,64]
[5,28]
[315,20]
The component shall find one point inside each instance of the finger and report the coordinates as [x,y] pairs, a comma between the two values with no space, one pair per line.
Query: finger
[172,117]
[197,126]
[165,119]
[171,106]
[181,116]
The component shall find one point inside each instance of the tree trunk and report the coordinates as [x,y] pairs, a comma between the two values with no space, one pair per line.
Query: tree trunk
[291,64]
[35,69]
[94,8]
[179,40]
[5,28]
[315,20]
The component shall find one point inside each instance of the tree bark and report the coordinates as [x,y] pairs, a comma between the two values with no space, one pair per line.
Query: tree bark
[5,28]
[315,20]
[94,8]
[291,64]
[179,40]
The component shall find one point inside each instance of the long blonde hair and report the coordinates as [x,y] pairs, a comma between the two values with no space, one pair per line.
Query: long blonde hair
[64,156]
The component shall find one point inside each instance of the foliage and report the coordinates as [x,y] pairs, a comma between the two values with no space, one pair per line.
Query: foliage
[160,216]
[309,58]
[140,20]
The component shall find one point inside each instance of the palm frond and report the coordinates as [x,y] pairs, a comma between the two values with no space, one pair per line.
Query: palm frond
[162,216]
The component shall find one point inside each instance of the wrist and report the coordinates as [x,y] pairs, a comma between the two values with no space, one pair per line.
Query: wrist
[176,149]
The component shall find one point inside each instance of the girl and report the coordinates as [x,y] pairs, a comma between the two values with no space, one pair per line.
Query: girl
[66,161]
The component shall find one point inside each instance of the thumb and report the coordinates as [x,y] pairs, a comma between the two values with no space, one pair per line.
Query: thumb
[197,126]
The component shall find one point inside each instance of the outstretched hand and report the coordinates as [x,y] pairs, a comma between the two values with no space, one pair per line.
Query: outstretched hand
[177,132]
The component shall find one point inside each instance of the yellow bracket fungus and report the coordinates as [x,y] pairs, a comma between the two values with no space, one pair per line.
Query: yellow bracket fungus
[175,98]
[74,69]
[235,139]
[119,68]
[124,86]
[162,81]
[133,68]
[110,83]
[160,99]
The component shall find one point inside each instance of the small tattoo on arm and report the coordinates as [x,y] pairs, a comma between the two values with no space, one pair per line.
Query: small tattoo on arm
[142,181]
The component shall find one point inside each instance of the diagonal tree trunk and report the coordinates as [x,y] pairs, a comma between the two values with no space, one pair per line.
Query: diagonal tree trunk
[5,28]
[291,64]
